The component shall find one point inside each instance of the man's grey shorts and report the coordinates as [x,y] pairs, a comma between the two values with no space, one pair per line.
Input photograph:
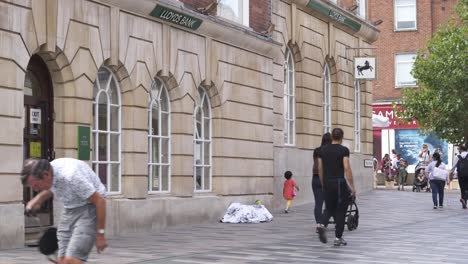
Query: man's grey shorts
[76,232]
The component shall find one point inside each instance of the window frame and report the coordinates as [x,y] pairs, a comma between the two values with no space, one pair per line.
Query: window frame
[326,102]
[162,94]
[201,139]
[362,8]
[395,15]
[96,132]
[289,95]
[357,116]
[397,63]
[243,9]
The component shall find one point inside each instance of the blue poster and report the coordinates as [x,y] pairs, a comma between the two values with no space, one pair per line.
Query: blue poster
[408,143]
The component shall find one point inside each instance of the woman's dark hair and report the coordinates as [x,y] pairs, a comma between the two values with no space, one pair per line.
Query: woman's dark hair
[288,175]
[436,156]
[463,147]
[326,139]
[337,134]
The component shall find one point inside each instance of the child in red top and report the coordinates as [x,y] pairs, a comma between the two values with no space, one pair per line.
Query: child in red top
[289,190]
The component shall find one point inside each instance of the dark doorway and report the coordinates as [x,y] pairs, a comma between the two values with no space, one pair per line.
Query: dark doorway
[38,129]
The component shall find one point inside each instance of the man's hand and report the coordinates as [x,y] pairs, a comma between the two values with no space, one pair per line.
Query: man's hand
[101,243]
[31,208]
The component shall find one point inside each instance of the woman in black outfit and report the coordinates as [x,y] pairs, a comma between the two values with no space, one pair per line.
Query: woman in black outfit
[316,185]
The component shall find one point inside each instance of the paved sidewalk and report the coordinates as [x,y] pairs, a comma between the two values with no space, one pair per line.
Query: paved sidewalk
[395,227]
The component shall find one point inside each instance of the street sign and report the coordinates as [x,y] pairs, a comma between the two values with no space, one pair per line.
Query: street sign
[364,68]
[84,142]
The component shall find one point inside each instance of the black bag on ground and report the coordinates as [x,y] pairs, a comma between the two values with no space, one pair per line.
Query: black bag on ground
[48,242]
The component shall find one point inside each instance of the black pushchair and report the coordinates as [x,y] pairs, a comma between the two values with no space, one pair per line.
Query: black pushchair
[352,215]
[420,181]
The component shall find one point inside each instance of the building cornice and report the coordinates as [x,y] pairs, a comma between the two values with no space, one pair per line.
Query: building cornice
[212,27]
[341,18]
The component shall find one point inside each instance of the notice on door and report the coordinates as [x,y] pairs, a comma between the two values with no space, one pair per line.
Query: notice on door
[35,149]
[35,116]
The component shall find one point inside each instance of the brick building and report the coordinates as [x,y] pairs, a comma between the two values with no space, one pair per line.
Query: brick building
[405,27]
[180,107]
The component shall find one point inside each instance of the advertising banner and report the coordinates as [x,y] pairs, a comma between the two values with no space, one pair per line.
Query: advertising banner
[408,143]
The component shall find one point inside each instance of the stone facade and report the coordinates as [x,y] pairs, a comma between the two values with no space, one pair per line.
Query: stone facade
[240,70]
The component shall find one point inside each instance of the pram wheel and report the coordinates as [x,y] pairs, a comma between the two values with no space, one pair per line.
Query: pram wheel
[353,222]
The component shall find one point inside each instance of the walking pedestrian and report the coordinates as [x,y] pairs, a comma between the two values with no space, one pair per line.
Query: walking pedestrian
[438,176]
[424,160]
[289,190]
[386,164]
[461,165]
[402,173]
[316,185]
[337,180]
[76,185]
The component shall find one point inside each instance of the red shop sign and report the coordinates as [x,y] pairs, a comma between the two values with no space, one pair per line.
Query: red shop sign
[387,111]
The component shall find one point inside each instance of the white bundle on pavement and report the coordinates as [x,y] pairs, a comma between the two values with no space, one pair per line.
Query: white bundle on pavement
[241,213]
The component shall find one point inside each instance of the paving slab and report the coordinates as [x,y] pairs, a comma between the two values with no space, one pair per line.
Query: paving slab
[394,227]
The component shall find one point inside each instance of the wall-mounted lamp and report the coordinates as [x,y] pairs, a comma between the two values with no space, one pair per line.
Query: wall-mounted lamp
[377,22]
[269,30]
[352,8]
[207,9]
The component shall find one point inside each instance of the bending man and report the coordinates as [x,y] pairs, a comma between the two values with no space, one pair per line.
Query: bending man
[76,185]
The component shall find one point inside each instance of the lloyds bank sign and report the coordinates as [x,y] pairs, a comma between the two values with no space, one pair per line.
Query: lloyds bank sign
[176,17]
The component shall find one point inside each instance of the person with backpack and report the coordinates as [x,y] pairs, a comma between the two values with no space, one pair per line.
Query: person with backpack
[461,164]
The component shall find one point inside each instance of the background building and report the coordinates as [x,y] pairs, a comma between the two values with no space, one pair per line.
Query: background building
[181,107]
[406,26]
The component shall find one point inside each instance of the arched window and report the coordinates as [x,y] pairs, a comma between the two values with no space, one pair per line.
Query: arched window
[159,139]
[289,100]
[357,116]
[106,130]
[326,99]
[202,143]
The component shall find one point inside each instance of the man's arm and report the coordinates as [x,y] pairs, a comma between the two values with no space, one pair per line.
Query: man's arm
[320,170]
[35,203]
[100,204]
[349,175]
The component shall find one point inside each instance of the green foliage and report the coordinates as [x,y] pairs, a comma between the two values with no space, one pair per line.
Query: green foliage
[441,103]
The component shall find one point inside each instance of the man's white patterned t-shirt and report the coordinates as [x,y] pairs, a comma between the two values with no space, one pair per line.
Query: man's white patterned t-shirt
[74,182]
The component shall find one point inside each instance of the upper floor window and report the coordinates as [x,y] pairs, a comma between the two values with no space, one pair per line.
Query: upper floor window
[202,143]
[159,141]
[106,130]
[403,66]
[361,11]
[326,99]
[357,116]
[234,10]
[289,100]
[405,15]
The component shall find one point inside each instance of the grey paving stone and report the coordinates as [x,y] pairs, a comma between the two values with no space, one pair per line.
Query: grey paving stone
[394,227]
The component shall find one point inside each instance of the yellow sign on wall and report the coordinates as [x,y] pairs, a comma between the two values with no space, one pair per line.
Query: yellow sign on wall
[35,149]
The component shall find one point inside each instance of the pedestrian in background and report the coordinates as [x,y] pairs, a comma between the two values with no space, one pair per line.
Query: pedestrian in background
[337,180]
[76,185]
[438,176]
[402,173]
[386,164]
[316,185]
[424,160]
[290,190]
[461,164]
